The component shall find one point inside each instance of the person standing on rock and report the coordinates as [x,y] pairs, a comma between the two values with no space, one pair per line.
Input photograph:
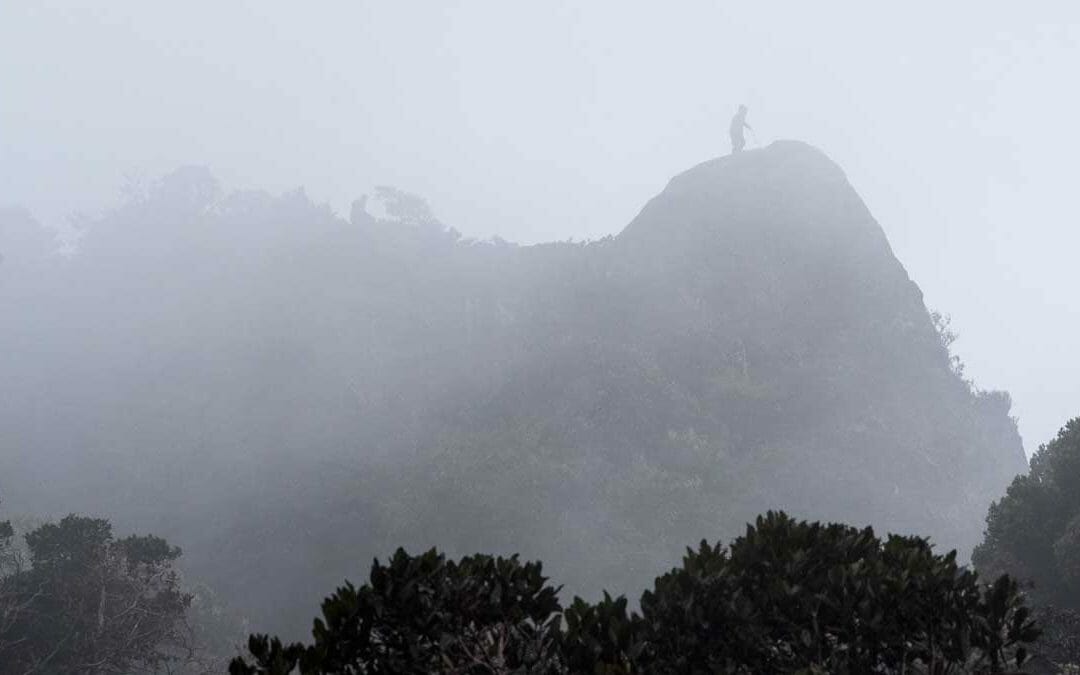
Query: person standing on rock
[738,141]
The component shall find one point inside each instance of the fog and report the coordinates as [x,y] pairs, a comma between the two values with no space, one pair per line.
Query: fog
[216,329]
[957,124]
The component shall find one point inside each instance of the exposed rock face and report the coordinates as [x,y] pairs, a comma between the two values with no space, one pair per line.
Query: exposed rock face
[748,342]
[854,393]
[286,395]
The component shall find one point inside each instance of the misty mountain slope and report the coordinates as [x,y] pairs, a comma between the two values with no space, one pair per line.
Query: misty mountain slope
[286,394]
[748,342]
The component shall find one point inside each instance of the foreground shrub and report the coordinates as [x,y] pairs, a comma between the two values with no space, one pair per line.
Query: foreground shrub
[787,596]
[425,614]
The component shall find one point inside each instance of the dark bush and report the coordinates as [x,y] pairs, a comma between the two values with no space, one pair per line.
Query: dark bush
[787,596]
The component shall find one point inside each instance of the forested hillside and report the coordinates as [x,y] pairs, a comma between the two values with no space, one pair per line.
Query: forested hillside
[285,393]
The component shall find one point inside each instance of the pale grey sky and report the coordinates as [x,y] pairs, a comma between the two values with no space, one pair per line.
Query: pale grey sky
[957,122]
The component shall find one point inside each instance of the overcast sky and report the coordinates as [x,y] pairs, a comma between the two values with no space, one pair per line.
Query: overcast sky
[957,122]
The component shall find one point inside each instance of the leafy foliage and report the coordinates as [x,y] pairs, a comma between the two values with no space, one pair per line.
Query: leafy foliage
[1033,531]
[85,602]
[790,595]
[787,596]
[423,614]
[405,207]
[602,638]
[1060,640]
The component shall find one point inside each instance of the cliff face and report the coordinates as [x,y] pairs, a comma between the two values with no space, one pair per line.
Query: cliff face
[748,342]
[285,394]
[854,393]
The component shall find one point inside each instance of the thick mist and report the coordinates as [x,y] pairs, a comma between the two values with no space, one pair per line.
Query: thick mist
[287,393]
[956,124]
[293,286]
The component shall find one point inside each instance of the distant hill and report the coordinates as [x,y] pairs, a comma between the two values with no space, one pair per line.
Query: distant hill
[286,394]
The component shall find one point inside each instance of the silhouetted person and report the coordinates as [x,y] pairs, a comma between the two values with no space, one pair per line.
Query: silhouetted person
[738,141]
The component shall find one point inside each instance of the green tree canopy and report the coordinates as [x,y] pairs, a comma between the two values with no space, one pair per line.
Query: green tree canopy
[1033,532]
[85,602]
[424,614]
[787,596]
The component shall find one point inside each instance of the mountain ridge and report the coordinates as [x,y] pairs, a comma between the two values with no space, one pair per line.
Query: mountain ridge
[285,394]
